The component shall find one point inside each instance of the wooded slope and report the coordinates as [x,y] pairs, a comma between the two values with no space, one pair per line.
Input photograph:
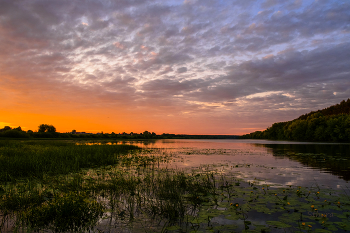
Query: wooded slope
[329,124]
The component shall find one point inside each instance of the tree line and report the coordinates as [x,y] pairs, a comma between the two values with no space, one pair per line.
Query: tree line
[44,130]
[331,124]
[49,131]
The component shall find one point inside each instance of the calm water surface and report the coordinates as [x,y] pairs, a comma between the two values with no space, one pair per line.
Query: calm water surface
[279,163]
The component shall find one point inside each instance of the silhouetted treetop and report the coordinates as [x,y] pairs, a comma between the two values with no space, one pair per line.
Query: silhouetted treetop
[5,128]
[46,128]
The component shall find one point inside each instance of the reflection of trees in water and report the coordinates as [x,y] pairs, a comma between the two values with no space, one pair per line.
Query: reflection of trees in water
[143,142]
[334,158]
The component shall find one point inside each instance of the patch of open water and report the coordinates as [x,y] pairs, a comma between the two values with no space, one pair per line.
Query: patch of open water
[277,163]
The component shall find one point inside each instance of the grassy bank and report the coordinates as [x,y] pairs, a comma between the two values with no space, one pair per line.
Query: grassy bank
[36,159]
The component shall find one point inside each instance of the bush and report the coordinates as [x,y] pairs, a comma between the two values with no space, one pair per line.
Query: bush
[14,134]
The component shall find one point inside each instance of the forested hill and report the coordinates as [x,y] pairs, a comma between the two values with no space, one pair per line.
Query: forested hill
[331,124]
[342,108]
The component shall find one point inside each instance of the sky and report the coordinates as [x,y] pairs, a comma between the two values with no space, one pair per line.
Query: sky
[168,66]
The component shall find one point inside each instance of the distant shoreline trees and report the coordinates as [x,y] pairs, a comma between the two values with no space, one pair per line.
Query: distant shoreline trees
[7,131]
[49,131]
[331,124]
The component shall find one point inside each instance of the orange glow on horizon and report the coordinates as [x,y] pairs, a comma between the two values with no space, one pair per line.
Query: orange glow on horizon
[101,123]
[93,114]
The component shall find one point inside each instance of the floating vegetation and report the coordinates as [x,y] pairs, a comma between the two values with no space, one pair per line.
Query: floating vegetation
[125,189]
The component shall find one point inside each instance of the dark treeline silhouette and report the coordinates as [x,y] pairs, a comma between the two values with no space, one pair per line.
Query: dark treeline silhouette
[49,131]
[7,131]
[331,124]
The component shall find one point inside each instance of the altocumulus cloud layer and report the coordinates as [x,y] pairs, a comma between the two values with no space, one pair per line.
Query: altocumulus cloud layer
[242,64]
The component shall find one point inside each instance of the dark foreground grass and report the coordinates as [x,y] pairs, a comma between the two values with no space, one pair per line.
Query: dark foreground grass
[35,159]
[138,193]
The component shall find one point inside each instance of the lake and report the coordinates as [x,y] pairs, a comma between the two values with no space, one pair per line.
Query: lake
[176,186]
[277,163]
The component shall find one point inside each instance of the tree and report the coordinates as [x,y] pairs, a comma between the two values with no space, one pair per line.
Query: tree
[46,128]
[42,128]
[146,133]
[51,129]
[18,128]
[5,128]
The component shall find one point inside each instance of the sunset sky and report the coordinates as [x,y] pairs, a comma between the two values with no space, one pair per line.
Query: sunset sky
[168,66]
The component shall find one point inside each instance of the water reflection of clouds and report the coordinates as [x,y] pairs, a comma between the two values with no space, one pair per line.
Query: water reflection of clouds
[270,163]
[262,160]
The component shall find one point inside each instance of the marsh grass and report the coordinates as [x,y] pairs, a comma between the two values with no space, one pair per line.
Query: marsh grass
[35,159]
[137,192]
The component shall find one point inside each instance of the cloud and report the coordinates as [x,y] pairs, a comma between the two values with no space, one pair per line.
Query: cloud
[166,70]
[269,3]
[182,70]
[170,86]
[119,45]
[199,57]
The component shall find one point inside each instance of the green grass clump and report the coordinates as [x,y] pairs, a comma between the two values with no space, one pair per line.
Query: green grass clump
[71,212]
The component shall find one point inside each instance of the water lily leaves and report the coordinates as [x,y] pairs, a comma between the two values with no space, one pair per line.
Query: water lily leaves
[330,207]
[204,216]
[278,224]
[290,217]
[259,228]
[214,212]
[225,228]
[331,227]
[201,219]
[264,209]
[322,231]
[345,225]
[344,215]
[233,217]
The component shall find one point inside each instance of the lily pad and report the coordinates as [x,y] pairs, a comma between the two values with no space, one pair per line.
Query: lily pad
[278,224]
